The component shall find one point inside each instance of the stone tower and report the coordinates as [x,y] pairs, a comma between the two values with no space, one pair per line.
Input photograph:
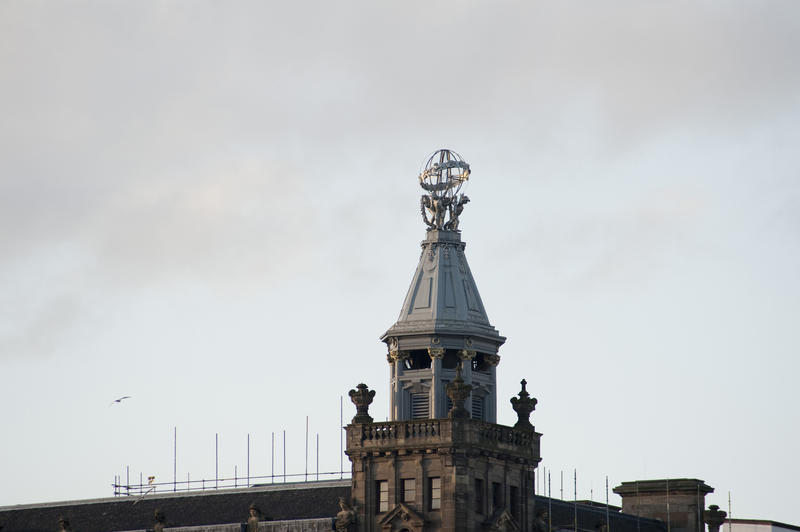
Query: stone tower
[441,463]
[442,322]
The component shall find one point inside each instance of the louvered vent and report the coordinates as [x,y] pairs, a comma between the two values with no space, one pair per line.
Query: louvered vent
[419,406]
[477,408]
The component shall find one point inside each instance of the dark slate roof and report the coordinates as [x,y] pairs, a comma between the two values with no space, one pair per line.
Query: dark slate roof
[592,517]
[443,297]
[276,502]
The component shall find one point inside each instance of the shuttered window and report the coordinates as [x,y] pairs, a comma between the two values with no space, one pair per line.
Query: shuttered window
[419,406]
[477,408]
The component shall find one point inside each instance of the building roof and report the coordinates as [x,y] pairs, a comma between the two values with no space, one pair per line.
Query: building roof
[762,522]
[443,298]
[674,485]
[276,502]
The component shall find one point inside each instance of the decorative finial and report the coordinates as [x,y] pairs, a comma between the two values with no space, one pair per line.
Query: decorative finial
[362,398]
[458,391]
[444,174]
[714,518]
[523,405]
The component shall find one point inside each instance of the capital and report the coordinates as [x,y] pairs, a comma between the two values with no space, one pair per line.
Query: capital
[466,354]
[492,360]
[395,355]
[436,352]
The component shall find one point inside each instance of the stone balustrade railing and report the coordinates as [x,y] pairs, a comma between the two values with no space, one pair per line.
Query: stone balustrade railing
[443,433]
[393,430]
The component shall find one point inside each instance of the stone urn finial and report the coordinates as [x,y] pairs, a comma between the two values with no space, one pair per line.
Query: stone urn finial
[362,398]
[458,391]
[523,405]
[714,518]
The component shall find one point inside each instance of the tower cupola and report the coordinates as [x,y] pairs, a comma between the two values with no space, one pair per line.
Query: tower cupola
[442,323]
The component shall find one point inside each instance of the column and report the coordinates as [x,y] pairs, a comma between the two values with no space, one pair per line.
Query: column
[397,405]
[491,399]
[466,356]
[437,397]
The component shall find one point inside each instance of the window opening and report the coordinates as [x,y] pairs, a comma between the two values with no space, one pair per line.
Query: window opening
[479,495]
[435,484]
[382,489]
[409,490]
[450,359]
[417,359]
[514,496]
[497,495]
[479,364]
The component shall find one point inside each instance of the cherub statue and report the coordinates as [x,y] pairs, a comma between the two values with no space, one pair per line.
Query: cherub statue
[346,518]
[456,208]
[252,519]
[425,205]
[442,205]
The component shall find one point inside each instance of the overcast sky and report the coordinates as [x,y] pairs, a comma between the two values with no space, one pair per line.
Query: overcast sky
[213,207]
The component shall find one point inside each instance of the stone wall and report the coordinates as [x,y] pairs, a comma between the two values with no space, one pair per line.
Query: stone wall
[295,525]
[485,473]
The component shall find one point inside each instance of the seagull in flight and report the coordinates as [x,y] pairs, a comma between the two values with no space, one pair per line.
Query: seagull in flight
[119,400]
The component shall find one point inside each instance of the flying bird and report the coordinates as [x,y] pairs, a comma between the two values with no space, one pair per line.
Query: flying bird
[119,400]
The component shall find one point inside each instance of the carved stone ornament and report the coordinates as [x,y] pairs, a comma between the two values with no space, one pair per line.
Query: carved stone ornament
[362,398]
[346,518]
[394,356]
[502,521]
[435,352]
[523,405]
[403,517]
[444,174]
[458,391]
[467,354]
[253,515]
[491,359]
[714,518]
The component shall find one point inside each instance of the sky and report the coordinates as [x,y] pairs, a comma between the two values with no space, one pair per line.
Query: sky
[212,207]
